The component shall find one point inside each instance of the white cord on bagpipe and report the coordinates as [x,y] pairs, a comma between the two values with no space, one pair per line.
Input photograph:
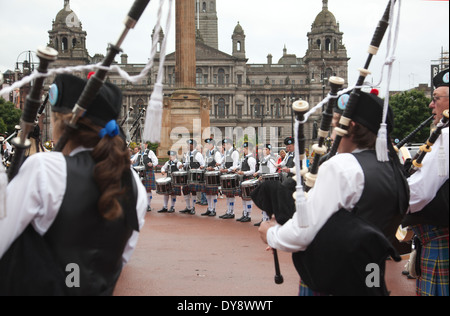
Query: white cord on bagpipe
[300,199]
[155,105]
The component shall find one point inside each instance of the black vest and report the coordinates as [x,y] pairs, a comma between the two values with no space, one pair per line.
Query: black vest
[82,236]
[229,159]
[435,213]
[290,163]
[173,166]
[193,163]
[359,236]
[385,197]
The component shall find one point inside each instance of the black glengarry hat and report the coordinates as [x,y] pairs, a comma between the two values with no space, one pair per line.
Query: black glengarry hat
[67,89]
[441,79]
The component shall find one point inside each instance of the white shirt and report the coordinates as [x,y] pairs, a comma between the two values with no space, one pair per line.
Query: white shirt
[217,158]
[234,156]
[270,164]
[198,157]
[166,166]
[150,154]
[340,184]
[426,182]
[36,194]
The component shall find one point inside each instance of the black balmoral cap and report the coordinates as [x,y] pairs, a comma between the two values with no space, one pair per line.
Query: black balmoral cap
[67,89]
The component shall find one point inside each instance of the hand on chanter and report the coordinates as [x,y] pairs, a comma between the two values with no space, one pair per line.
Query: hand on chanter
[264,227]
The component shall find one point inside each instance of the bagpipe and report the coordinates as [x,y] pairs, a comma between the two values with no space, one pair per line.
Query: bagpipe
[427,147]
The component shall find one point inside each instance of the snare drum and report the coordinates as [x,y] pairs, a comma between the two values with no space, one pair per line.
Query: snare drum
[271,177]
[140,171]
[164,186]
[179,179]
[212,179]
[196,176]
[229,182]
[247,188]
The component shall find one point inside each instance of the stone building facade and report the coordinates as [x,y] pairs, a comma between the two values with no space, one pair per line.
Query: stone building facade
[243,96]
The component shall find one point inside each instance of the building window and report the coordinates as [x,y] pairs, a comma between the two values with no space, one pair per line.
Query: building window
[221,76]
[221,108]
[64,44]
[277,108]
[199,77]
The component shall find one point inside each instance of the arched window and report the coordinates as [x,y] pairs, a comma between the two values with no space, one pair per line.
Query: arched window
[319,44]
[204,6]
[65,45]
[258,108]
[239,46]
[74,42]
[277,108]
[328,45]
[221,108]
[221,76]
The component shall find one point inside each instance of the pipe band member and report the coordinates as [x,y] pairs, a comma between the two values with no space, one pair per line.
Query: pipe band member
[267,166]
[428,212]
[230,164]
[352,181]
[171,166]
[247,169]
[193,159]
[86,202]
[213,160]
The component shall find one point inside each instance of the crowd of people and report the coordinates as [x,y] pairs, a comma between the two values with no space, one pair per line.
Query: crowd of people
[215,160]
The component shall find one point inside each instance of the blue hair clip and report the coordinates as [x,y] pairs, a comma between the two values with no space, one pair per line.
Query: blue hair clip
[111,129]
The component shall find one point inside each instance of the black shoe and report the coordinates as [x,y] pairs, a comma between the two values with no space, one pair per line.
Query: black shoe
[228,216]
[171,210]
[257,224]
[240,219]
[149,209]
[185,211]
[208,212]
[246,219]
[212,214]
[192,212]
[164,210]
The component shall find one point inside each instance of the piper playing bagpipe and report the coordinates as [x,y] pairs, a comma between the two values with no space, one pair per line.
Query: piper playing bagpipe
[429,203]
[80,208]
[364,205]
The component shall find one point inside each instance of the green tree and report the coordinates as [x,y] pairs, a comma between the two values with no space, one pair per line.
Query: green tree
[410,108]
[10,116]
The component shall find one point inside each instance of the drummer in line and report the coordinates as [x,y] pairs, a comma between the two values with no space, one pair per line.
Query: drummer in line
[247,169]
[213,160]
[230,163]
[193,159]
[267,166]
[171,166]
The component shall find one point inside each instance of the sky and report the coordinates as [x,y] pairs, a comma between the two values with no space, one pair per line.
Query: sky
[268,25]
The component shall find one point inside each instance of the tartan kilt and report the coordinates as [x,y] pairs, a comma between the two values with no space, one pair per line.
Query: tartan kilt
[304,290]
[195,187]
[232,193]
[434,261]
[175,191]
[150,181]
[211,190]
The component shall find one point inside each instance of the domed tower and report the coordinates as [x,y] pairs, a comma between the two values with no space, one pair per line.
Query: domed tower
[238,42]
[326,55]
[68,38]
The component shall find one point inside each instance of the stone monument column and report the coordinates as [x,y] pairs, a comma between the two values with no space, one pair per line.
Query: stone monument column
[186,113]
